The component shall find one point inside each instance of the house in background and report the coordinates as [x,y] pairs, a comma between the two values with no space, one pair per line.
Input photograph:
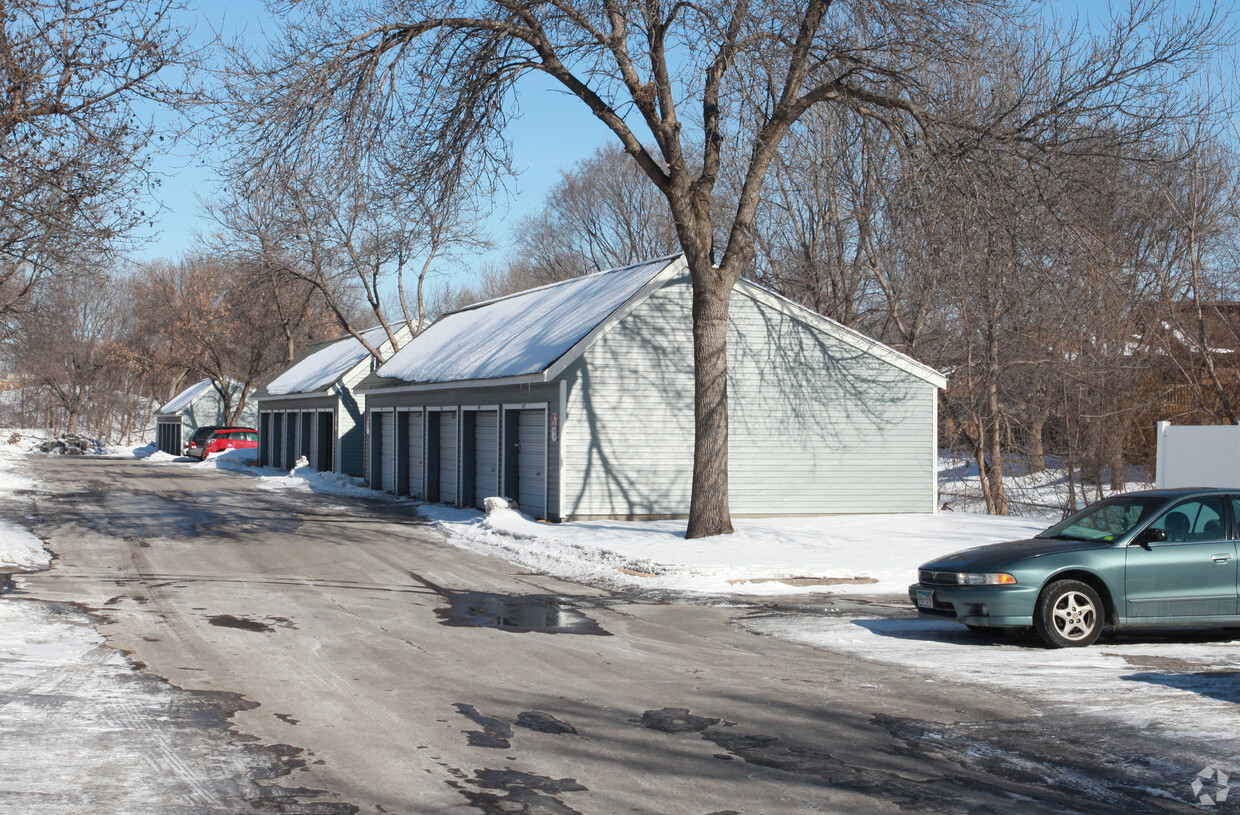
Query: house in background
[310,409]
[576,399]
[199,405]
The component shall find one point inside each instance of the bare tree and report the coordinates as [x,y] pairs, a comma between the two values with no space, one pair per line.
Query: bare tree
[602,213]
[367,244]
[714,88]
[74,145]
[62,349]
[212,318]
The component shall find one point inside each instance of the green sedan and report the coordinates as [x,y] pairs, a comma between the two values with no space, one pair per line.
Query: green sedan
[1146,559]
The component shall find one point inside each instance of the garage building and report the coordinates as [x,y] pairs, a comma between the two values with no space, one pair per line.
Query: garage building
[199,405]
[576,399]
[311,409]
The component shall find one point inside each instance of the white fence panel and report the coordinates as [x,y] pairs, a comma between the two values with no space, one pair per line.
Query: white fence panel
[1198,456]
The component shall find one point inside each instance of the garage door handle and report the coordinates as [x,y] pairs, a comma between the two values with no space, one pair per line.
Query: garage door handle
[1221,558]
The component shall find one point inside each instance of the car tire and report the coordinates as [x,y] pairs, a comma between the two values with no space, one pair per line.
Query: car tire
[1069,614]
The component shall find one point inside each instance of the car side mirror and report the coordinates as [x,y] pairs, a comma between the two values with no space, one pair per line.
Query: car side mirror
[1149,536]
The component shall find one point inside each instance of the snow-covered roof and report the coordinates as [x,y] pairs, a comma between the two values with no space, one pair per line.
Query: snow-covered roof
[185,397]
[325,364]
[522,334]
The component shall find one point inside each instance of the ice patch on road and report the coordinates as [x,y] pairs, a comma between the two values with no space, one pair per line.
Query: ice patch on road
[84,732]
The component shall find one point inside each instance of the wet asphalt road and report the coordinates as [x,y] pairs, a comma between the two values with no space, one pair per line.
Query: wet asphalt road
[359,652]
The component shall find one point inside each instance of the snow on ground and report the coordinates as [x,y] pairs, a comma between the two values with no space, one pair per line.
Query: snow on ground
[869,554]
[1176,682]
[19,550]
[1180,682]
[1041,494]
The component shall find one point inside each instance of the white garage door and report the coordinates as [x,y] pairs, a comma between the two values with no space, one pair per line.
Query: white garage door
[447,457]
[387,469]
[417,455]
[486,456]
[532,462]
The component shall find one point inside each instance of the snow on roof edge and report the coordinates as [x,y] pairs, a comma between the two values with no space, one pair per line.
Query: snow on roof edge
[524,292]
[525,359]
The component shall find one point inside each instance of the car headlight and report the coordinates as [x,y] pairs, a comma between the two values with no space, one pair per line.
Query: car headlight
[989,579]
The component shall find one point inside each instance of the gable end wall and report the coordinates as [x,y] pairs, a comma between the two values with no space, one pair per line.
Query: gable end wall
[816,426]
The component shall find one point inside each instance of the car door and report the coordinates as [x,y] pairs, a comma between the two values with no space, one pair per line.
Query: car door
[1192,573]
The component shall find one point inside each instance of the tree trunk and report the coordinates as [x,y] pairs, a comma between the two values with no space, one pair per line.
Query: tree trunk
[1037,445]
[1118,482]
[709,509]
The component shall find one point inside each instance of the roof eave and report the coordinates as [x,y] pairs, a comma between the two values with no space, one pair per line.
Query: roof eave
[499,382]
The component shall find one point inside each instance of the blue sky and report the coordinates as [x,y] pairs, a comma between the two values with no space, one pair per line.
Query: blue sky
[541,151]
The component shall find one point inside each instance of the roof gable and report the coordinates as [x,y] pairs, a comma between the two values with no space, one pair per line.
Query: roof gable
[327,363]
[526,333]
[843,333]
[183,399]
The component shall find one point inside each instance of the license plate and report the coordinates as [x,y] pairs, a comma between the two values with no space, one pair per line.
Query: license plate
[925,598]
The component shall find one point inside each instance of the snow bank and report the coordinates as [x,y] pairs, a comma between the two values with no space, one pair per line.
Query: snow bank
[19,550]
[235,459]
[870,554]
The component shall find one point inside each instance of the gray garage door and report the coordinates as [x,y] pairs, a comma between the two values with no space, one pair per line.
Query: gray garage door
[447,457]
[387,469]
[486,456]
[417,457]
[532,462]
[305,447]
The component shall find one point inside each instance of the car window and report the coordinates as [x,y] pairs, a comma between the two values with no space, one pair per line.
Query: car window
[1106,520]
[251,437]
[1200,519]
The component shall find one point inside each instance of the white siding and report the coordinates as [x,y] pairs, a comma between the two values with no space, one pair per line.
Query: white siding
[816,425]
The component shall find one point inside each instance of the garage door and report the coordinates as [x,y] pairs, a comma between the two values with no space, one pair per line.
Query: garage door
[417,456]
[486,456]
[277,440]
[387,460]
[305,447]
[447,457]
[290,440]
[532,462]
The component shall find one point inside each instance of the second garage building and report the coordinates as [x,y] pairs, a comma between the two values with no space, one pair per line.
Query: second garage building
[576,399]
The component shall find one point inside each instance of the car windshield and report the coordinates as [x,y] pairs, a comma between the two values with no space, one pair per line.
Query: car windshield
[1107,520]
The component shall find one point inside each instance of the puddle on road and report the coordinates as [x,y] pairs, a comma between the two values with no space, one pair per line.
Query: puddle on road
[506,612]
[250,624]
[519,614]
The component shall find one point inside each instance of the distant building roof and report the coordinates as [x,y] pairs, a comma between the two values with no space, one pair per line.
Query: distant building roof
[324,364]
[183,399]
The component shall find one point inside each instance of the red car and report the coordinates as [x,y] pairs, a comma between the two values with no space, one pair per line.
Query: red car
[211,439]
